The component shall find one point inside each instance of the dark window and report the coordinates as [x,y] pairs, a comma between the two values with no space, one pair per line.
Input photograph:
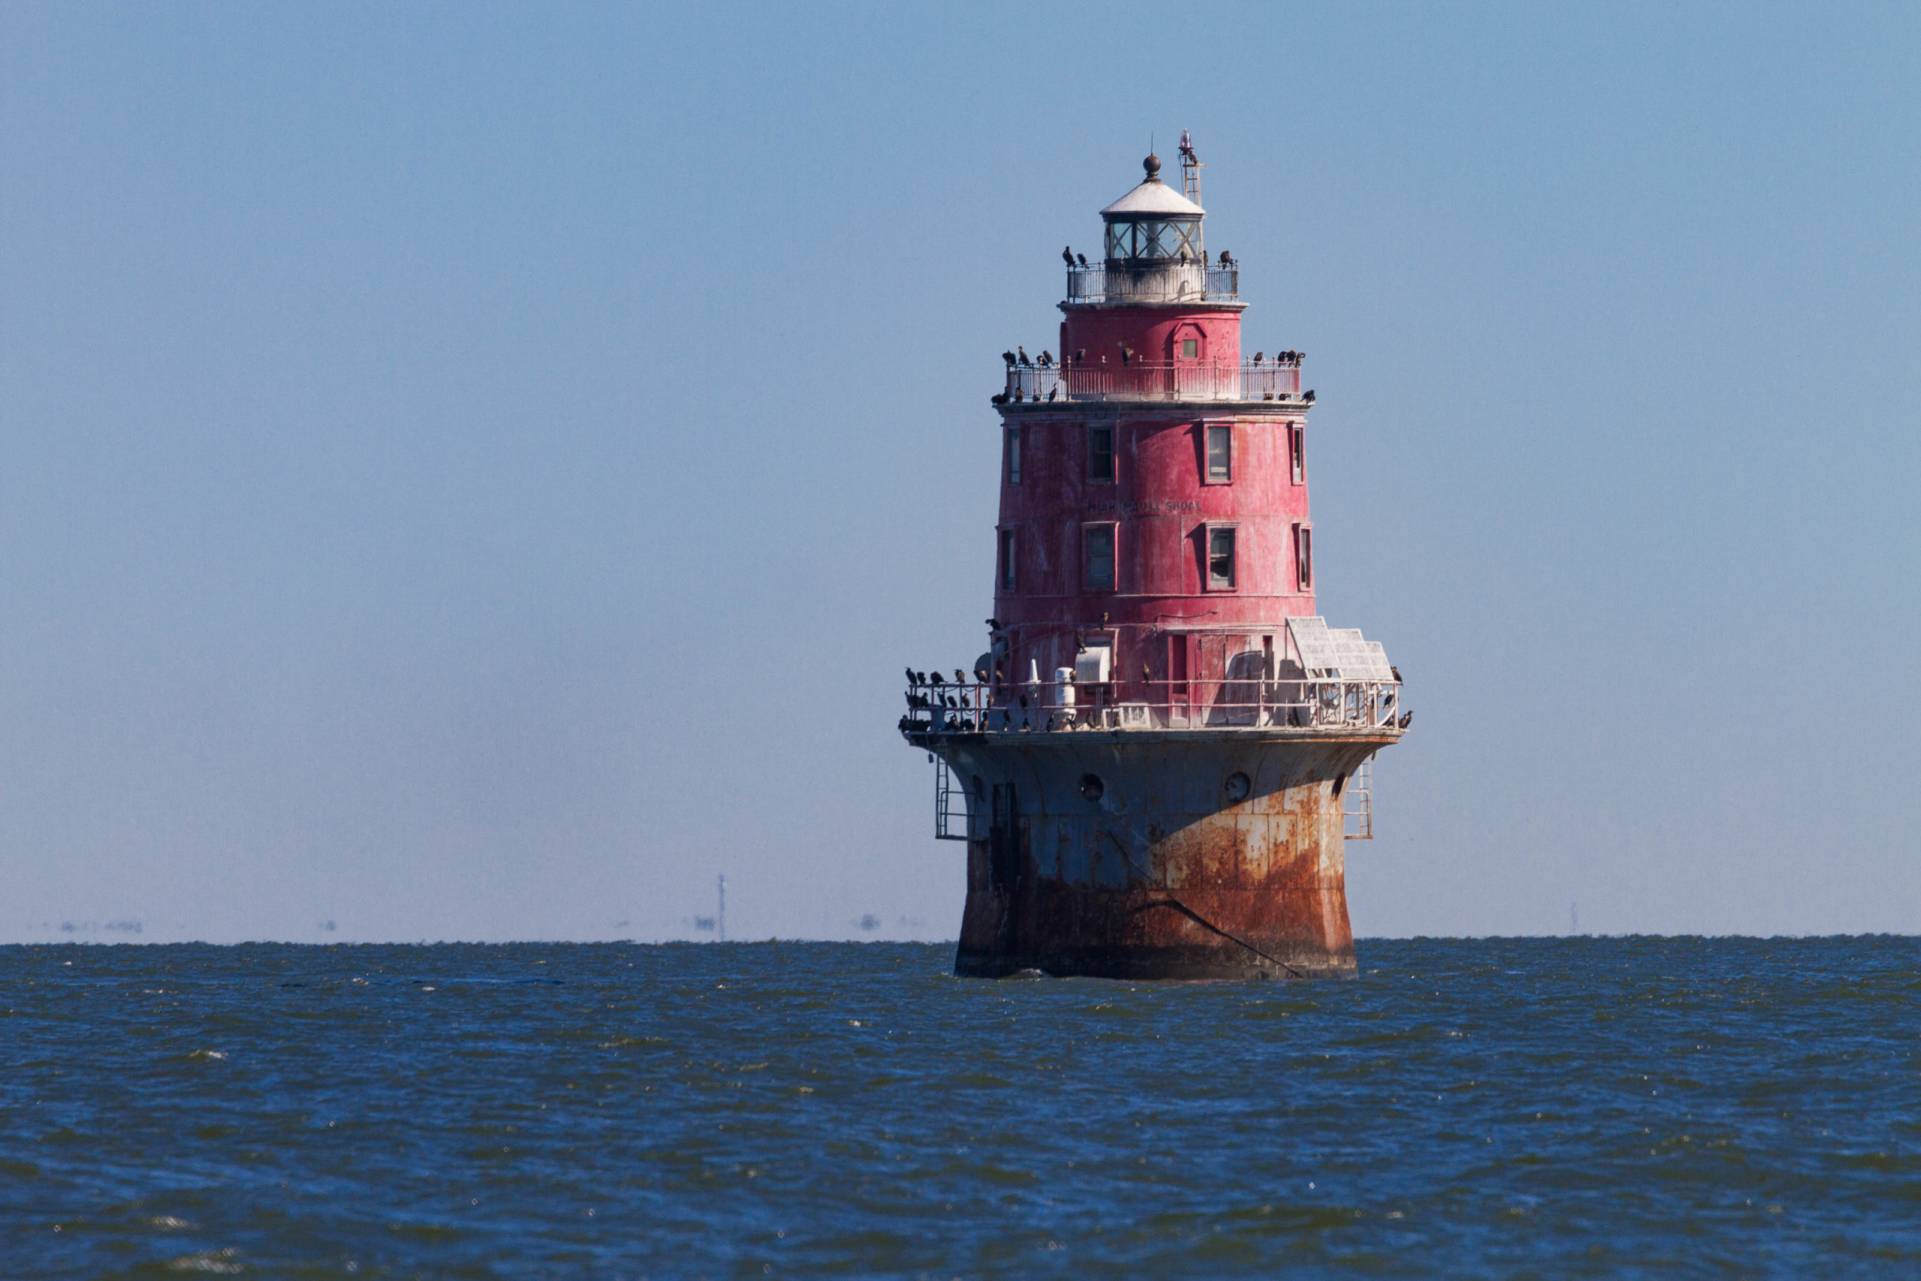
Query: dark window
[1304,557]
[1220,556]
[1297,452]
[1013,455]
[1097,558]
[1190,348]
[1007,560]
[1100,453]
[1220,453]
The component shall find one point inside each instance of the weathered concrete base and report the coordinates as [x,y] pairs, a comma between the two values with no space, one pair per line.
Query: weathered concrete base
[1143,856]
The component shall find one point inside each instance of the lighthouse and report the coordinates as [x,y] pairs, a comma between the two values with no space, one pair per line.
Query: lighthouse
[1158,759]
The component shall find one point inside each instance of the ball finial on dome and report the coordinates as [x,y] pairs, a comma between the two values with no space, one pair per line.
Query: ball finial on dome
[1153,166]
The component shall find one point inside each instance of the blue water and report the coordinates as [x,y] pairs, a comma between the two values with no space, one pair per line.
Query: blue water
[1607,1107]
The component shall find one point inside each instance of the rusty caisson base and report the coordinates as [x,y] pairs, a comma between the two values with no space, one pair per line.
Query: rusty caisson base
[1169,855]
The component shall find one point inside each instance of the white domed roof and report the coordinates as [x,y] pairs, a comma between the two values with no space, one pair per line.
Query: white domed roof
[1153,198]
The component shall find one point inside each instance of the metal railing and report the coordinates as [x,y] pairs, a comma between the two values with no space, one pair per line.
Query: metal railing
[1154,281]
[1222,703]
[1112,378]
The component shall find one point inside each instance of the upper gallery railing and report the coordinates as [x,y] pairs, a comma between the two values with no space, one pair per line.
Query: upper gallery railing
[1122,377]
[1154,281]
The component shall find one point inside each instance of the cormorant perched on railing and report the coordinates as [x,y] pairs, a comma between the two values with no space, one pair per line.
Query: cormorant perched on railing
[1022,356]
[910,676]
[993,624]
[1053,391]
[1008,356]
[960,678]
[1258,355]
[1407,719]
[998,398]
[1081,258]
[933,678]
[1308,395]
[1067,255]
[1227,259]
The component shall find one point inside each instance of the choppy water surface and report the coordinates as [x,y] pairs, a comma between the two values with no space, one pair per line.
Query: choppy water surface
[1619,1107]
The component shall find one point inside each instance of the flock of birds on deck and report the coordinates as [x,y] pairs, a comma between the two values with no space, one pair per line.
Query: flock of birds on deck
[1073,259]
[1019,359]
[973,719]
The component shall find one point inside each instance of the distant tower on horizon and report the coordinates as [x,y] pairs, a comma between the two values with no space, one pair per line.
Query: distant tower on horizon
[720,912]
[1158,759]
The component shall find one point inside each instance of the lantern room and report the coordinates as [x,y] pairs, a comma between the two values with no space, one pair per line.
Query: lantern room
[1153,222]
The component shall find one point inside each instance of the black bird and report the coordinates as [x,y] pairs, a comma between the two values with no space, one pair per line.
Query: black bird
[920,678]
[1081,259]
[1022,356]
[993,624]
[910,676]
[1008,356]
[1299,356]
[1407,718]
[959,677]
[1067,255]
[1080,355]
[1053,391]
[1258,355]
[999,398]
[1227,259]
[1395,670]
[1308,395]
[933,678]
[951,702]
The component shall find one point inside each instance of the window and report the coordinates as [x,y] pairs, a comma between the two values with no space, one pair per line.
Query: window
[1013,455]
[1100,453]
[1220,557]
[1007,560]
[1190,348]
[1220,453]
[1097,558]
[1304,557]
[1297,452]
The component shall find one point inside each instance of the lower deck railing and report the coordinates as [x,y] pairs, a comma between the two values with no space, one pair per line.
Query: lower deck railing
[1069,707]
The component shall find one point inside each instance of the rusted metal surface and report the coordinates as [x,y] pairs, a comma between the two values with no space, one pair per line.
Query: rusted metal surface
[1161,874]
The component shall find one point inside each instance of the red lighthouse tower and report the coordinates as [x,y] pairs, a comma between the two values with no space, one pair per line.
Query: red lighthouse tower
[1159,759]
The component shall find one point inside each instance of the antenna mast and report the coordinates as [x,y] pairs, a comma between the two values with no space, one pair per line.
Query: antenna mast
[1191,167]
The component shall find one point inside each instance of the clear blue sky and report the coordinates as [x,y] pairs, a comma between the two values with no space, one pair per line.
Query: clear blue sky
[478,472]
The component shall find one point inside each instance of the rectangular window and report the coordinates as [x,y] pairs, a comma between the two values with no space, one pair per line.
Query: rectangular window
[1097,558]
[1100,453]
[1304,557]
[1190,348]
[1220,453]
[1220,557]
[1013,455]
[1007,560]
[1297,452]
